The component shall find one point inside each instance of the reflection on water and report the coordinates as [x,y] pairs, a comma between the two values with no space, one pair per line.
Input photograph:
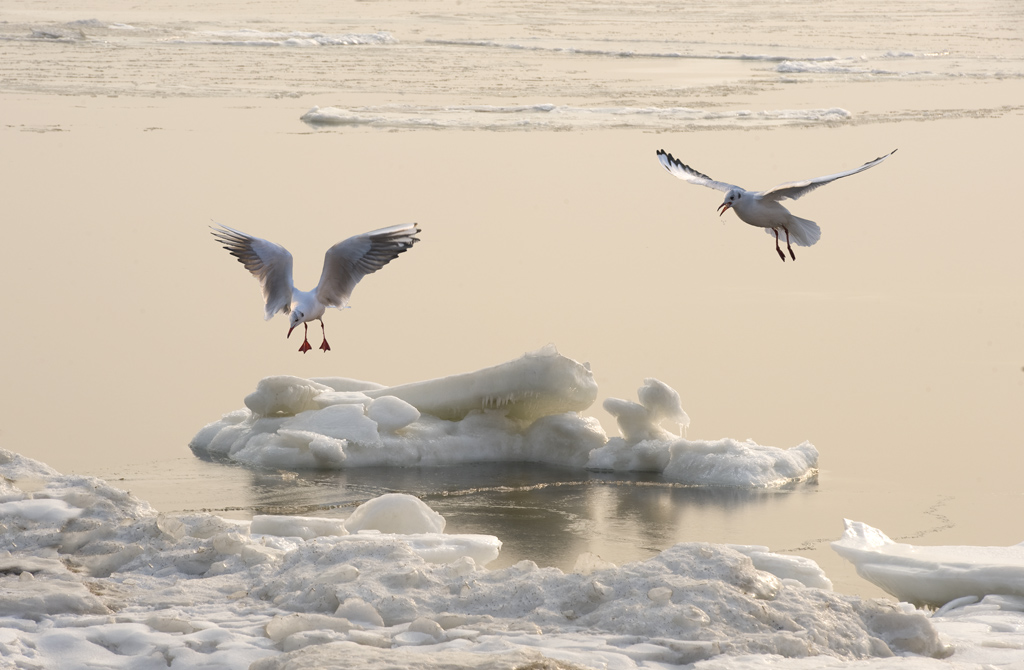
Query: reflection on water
[547,514]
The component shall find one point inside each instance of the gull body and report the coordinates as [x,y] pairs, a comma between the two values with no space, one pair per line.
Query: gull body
[345,264]
[762,208]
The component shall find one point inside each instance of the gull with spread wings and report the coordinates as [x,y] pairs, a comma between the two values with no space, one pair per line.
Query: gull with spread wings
[344,265]
[762,208]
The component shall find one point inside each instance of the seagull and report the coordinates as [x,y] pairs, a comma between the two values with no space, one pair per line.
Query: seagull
[344,265]
[762,208]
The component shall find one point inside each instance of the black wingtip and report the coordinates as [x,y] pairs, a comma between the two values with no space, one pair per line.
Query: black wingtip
[672,160]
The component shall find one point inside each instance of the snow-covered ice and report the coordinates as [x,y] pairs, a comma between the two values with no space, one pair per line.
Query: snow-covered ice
[92,577]
[528,409]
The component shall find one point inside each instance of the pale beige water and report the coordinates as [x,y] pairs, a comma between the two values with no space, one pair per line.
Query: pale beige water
[895,345]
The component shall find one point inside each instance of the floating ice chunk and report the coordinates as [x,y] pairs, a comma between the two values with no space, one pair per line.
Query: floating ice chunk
[331,116]
[391,413]
[535,385]
[395,513]
[306,527]
[284,395]
[935,575]
[727,462]
[525,410]
[646,447]
[724,462]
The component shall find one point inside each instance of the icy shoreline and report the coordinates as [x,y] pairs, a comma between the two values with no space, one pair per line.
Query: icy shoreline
[527,410]
[91,576]
[100,575]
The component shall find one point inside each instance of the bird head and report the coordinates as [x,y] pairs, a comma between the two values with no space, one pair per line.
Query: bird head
[295,318]
[730,199]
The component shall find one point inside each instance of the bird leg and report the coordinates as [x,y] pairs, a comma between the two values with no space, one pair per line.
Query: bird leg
[324,346]
[781,255]
[305,339]
[787,245]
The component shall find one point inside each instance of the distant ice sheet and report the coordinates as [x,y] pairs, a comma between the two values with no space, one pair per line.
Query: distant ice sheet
[526,410]
[546,116]
[94,29]
[933,575]
[258,38]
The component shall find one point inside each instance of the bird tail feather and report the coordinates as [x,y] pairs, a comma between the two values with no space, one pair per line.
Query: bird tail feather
[802,232]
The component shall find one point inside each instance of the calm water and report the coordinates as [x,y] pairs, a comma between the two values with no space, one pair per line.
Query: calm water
[521,137]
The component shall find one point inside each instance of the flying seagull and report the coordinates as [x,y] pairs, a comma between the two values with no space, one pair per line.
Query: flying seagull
[344,265]
[762,208]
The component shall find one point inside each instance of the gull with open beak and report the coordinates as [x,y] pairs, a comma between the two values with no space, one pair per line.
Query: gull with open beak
[762,208]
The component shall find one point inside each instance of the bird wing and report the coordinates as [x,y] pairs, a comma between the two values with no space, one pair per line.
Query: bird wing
[270,263]
[796,189]
[683,171]
[347,262]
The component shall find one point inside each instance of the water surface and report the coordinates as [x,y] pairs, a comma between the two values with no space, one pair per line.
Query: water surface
[521,137]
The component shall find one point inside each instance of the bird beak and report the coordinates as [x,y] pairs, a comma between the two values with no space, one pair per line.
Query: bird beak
[289,332]
[723,207]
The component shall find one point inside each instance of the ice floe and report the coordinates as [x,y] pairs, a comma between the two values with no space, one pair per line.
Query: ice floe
[936,575]
[526,410]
